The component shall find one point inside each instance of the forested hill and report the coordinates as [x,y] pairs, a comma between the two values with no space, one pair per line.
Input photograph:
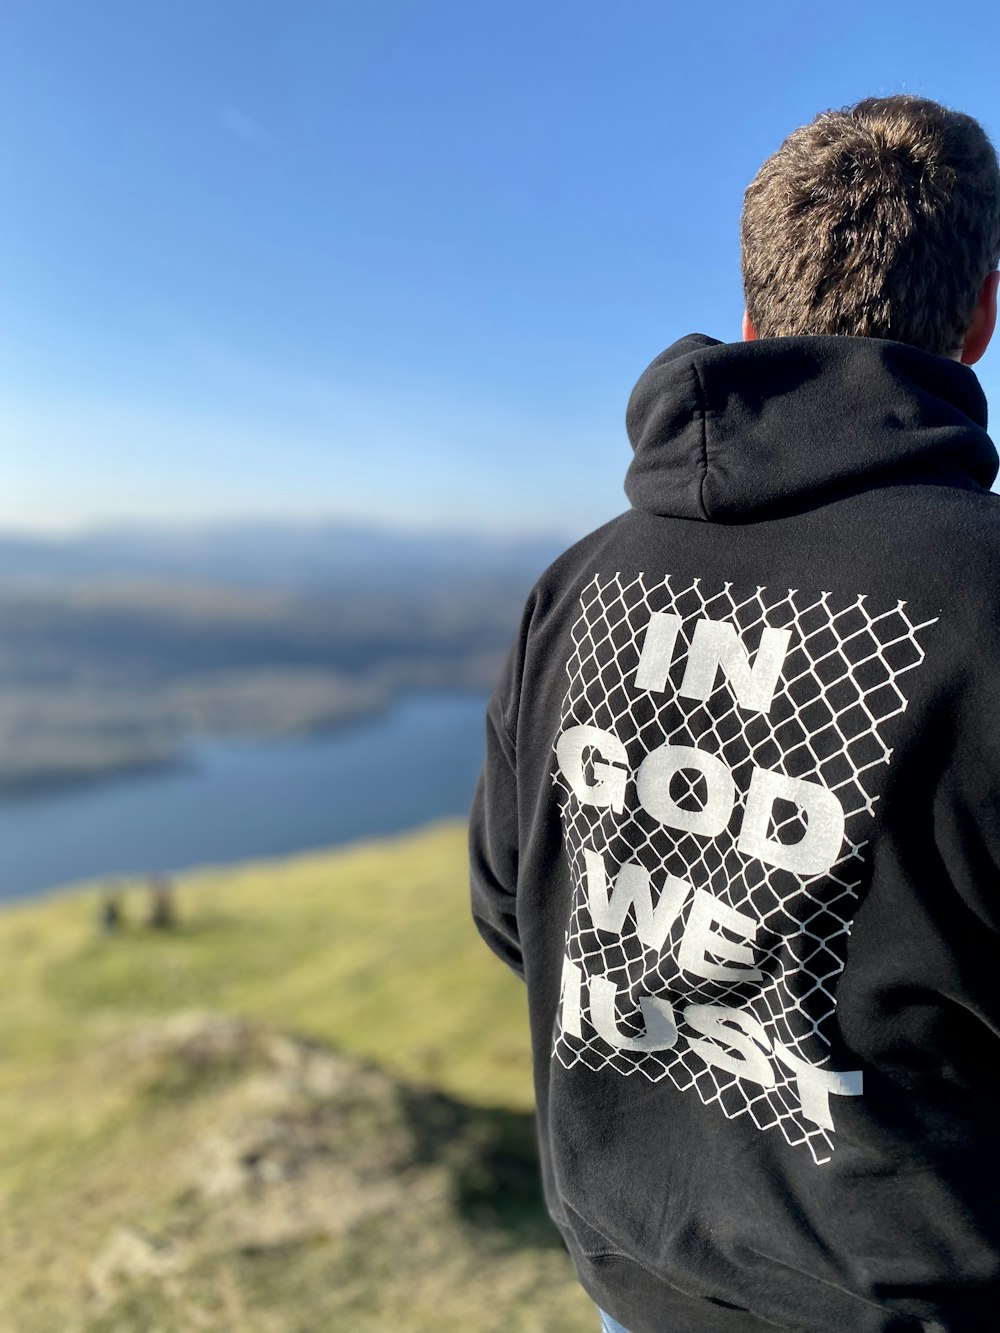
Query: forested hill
[115,649]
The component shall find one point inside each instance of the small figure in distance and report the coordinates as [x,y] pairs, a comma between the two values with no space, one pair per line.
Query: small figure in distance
[162,913]
[110,916]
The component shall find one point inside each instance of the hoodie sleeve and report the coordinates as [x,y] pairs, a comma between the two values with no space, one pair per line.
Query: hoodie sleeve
[493,825]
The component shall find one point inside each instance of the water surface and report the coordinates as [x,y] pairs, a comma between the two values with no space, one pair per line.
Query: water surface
[241,799]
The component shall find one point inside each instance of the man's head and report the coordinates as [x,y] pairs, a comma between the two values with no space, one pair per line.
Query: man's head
[882,221]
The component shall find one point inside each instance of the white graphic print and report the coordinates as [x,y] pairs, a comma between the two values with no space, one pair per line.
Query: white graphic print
[718,762]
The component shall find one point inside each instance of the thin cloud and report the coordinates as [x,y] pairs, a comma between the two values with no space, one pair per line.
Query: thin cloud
[246,128]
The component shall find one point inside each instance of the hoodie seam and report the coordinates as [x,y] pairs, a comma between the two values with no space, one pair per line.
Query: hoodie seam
[699,390]
[507,729]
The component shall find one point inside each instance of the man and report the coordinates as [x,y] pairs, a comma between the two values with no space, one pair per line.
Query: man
[738,826]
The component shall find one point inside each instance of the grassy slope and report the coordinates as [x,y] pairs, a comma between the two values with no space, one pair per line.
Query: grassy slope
[370,949]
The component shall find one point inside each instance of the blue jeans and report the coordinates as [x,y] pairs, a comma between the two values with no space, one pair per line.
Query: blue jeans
[610,1325]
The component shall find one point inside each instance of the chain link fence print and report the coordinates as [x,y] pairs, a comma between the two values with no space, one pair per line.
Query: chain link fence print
[839,684]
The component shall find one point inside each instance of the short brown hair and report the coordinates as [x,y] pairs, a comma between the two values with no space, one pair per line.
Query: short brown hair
[880,220]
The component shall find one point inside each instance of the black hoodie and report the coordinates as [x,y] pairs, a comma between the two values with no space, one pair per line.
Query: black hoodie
[738,828]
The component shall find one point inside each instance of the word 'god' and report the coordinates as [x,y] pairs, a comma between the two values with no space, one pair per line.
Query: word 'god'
[595,763]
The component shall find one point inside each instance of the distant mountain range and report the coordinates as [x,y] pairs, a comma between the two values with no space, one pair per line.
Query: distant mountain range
[284,556]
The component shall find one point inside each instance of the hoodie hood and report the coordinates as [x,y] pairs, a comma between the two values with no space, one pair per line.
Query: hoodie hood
[732,432]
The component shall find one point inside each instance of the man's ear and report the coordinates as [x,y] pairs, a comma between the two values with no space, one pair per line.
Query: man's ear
[750,333]
[984,321]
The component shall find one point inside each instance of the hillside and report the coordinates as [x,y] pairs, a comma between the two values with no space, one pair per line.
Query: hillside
[96,678]
[305,1106]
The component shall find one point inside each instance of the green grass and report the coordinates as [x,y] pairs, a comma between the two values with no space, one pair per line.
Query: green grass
[369,949]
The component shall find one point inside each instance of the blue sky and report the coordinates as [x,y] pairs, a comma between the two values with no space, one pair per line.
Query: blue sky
[391,260]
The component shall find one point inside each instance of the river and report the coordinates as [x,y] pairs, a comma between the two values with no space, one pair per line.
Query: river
[239,799]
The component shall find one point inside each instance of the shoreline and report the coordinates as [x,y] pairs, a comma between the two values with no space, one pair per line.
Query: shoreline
[241,798]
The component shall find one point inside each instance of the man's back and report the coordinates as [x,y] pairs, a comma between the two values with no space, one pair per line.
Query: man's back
[748,728]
